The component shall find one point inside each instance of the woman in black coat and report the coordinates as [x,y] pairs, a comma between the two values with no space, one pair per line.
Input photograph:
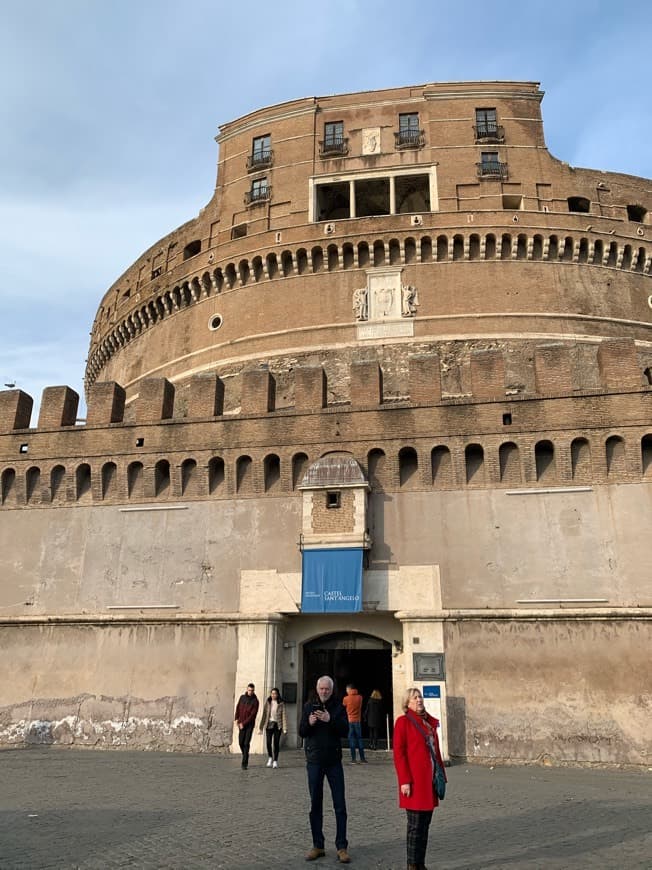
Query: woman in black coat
[374,716]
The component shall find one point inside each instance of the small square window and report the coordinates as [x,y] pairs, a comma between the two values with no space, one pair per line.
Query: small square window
[140,442]
[24,448]
[507,419]
[333,500]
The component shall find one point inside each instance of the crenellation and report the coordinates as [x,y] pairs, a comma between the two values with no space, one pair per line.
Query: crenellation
[206,397]
[155,400]
[258,391]
[487,374]
[58,408]
[366,383]
[15,410]
[618,364]
[105,403]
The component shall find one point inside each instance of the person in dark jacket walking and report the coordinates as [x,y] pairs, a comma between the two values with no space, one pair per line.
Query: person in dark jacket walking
[245,715]
[322,726]
[374,716]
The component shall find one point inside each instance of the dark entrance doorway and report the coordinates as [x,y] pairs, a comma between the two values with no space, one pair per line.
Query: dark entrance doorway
[350,657]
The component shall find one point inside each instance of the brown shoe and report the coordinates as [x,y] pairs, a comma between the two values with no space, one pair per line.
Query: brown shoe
[343,856]
[315,853]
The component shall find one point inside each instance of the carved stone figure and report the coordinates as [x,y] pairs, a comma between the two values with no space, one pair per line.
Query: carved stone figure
[409,301]
[360,304]
[385,301]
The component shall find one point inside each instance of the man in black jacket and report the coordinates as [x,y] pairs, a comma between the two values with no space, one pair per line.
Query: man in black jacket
[322,727]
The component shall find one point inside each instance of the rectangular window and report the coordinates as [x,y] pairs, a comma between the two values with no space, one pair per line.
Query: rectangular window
[490,162]
[409,133]
[333,133]
[261,152]
[259,190]
[485,120]
[333,500]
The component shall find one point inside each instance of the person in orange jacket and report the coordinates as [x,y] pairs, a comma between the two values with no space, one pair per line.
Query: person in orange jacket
[352,702]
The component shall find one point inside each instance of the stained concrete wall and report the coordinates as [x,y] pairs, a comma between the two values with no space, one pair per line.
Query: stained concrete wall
[147,686]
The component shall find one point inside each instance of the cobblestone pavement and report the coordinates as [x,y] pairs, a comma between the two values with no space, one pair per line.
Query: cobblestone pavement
[87,810]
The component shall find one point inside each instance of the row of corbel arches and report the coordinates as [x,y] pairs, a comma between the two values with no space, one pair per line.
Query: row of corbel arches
[508,463]
[395,251]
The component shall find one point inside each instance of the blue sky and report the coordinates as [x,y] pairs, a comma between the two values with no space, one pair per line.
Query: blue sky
[108,113]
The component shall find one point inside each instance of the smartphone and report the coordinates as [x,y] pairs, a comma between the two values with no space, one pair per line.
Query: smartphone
[316,707]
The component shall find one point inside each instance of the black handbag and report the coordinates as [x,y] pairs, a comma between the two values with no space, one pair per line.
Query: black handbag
[438,776]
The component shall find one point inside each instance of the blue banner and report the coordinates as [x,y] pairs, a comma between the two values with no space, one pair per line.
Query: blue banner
[331,581]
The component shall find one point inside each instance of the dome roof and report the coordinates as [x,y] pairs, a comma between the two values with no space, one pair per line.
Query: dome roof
[334,469]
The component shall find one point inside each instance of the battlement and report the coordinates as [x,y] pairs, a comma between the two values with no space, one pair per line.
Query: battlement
[162,447]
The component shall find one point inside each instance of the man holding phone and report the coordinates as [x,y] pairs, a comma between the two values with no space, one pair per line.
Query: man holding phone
[322,726]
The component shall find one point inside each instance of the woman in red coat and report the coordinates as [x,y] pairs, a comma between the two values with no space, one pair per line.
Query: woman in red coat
[413,732]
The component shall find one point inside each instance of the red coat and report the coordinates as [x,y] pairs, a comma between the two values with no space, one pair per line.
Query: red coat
[413,762]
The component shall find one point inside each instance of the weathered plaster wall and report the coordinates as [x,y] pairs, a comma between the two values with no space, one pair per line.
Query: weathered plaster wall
[550,689]
[139,686]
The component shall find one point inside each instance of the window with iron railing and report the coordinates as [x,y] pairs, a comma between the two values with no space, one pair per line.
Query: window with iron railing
[487,127]
[490,166]
[260,191]
[334,142]
[261,153]
[409,134]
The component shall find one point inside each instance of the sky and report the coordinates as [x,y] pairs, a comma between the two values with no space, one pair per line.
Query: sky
[109,109]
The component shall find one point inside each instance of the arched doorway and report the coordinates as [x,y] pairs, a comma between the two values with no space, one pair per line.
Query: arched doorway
[350,657]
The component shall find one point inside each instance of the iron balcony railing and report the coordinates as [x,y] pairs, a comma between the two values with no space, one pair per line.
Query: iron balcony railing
[260,160]
[489,133]
[409,138]
[492,169]
[259,194]
[334,147]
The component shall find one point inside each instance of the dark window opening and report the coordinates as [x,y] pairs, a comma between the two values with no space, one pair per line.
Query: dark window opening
[486,126]
[259,192]
[412,193]
[409,134]
[25,447]
[333,500]
[636,213]
[490,166]
[507,419]
[140,442]
[372,197]
[333,201]
[239,231]
[155,274]
[192,249]
[579,204]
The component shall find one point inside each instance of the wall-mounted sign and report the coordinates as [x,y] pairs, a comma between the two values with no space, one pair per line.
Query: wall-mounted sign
[429,666]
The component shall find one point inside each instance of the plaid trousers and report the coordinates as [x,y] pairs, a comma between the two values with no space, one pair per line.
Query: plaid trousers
[418,825]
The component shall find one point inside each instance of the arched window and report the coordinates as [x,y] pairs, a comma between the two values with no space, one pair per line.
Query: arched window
[215,474]
[287,264]
[490,247]
[243,271]
[537,248]
[583,255]
[506,247]
[379,253]
[162,478]
[394,252]
[442,248]
[441,466]
[553,248]
[598,252]
[189,478]
[333,258]
[8,486]
[410,251]
[408,465]
[244,475]
[426,249]
[544,459]
[615,456]
[272,473]
[474,247]
[231,277]
[33,485]
[363,254]
[257,266]
[57,483]
[299,467]
[510,463]
[317,259]
[135,480]
[474,461]
[458,247]
[83,482]
[348,258]
[272,265]
[521,247]
[646,455]
[580,459]
[302,261]
[377,469]
[109,480]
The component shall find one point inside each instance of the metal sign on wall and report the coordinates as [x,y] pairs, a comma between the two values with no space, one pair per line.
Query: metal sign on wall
[429,666]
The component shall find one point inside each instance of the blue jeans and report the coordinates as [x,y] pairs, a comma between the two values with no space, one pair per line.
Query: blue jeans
[335,777]
[355,739]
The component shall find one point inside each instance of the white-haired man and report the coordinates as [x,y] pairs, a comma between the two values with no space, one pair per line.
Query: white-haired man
[323,725]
